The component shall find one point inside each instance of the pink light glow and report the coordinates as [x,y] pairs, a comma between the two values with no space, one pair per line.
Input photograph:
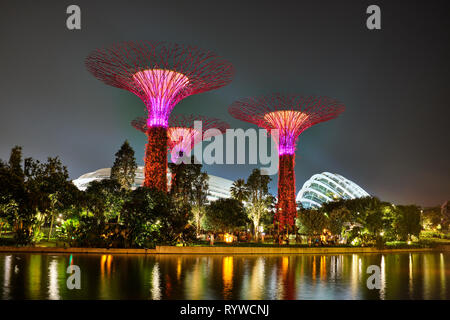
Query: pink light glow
[289,123]
[182,139]
[161,88]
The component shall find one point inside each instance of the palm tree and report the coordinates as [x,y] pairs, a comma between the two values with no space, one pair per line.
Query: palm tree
[239,190]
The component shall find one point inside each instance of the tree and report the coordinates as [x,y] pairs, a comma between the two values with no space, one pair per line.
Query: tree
[189,188]
[336,220]
[15,161]
[200,199]
[407,221]
[254,193]
[151,216]
[431,218]
[105,199]
[445,213]
[53,202]
[24,217]
[311,222]
[124,167]
[239,190]
[26,189]
[225,215]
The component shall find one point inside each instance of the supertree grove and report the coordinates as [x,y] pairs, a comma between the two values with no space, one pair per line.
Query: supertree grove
[182,134]
[161,74]
[290,115]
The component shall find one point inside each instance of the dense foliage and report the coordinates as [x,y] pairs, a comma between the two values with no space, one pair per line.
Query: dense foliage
[39,203]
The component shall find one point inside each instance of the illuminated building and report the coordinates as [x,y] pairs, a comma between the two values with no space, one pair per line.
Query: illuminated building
[325,187]
[219,188]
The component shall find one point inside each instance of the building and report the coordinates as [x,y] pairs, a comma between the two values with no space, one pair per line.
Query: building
[325,187]
[218,187]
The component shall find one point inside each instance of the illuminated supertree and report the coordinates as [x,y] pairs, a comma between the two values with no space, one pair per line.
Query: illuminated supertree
[182,134]
[291,115]
[161,74]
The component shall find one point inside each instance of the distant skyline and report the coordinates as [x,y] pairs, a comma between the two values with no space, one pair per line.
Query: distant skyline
[392,140]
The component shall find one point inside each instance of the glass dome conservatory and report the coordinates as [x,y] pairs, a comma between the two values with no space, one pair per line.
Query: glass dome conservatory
[325,187]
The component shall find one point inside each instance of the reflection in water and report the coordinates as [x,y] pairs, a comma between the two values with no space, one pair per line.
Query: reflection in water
[426,277]
[7,277]
[354,275]
[342,276]
[227,276]
[323,268]
[410,282]
[314,269]
[443,276]
[178,268]
[253,284]
[155,283]
[105,263]
[383,278]
[53,290]
[194,281]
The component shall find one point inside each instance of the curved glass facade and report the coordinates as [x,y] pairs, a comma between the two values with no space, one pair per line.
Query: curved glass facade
[325,187]
[218,187]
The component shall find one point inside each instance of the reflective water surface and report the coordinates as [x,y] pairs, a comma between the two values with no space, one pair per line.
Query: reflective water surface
[403,276]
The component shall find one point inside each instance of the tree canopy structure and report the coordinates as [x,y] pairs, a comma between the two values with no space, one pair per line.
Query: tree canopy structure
[161,74]
[182,135]
[291,115]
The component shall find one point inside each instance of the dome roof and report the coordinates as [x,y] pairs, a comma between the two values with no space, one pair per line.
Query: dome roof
[218,187]
[325,187]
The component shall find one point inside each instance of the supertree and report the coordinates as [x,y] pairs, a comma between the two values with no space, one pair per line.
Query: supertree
[161,74]
[182,134]
[290,115]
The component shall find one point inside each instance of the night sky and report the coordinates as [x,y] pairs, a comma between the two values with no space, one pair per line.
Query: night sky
[392,140]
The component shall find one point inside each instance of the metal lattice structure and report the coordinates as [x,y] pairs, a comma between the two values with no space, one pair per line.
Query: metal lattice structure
[183,134]
[161,74]
[291,115]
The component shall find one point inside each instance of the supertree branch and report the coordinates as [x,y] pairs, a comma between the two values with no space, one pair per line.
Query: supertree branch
[183,134]
[290,115]
[160,73]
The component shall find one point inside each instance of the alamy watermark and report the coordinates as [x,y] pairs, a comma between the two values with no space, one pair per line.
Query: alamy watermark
[221,148]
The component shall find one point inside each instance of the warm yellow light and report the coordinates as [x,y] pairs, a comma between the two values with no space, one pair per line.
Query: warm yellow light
[228,238]
[161,83]
[289,120]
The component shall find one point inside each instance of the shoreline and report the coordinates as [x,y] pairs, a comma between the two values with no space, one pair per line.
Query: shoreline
[217,250]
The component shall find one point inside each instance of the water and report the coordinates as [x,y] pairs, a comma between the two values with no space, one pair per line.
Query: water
[403,276]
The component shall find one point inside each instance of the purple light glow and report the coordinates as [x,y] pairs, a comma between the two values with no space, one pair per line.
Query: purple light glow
[289,123]
[161,88]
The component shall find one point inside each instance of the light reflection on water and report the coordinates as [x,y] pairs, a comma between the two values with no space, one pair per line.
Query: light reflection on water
[403,276]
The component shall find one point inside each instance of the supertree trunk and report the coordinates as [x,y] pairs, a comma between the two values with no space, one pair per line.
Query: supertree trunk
[287,208]
[156,159]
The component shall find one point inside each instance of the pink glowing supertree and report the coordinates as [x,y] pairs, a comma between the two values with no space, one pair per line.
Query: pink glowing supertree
[290,115]
[161,74]
[182,134]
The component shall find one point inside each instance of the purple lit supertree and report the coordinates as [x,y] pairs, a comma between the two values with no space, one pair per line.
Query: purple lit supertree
[183,134]
[161,74]
[290,115]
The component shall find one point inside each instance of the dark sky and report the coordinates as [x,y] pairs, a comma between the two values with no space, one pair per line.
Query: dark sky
[393,139]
